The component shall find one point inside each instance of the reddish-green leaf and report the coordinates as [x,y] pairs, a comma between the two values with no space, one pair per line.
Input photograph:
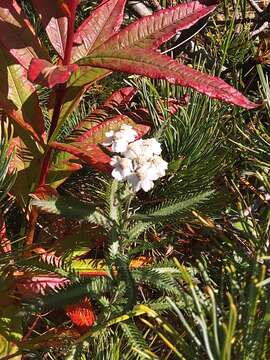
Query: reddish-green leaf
[86,149]
[117,101]
[103,22]
[55,22]
[97,133]
[151,31]
[155,65]
[16,34]
[90,154]
[27,164]
[62,166]
[46,74]
[77,85]
[18,97]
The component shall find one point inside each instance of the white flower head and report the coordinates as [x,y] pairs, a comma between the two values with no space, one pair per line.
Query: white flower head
[123,167]
[140,162]
[120,139]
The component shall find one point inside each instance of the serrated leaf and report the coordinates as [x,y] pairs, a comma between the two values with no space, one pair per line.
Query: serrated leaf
[71,208]
[17,35]
[157,66]
[151,31]
[97,133]
[46,74]
[173,209]
[29,286]
[18,97]
[117,101]
[55,22]
[86,149]
[103,22]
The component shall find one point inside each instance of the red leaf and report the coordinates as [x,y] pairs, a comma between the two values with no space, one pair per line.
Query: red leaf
[17,35]
[151,31]
[90,154]
[103,22]
[82,314]
[157,66]
[97,133]
[85,147]
[118,100]
[18,98]
[55,22]
[49,75]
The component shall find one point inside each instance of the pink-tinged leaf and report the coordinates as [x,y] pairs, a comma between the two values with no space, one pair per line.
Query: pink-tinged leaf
[29,286]
[85,145]
[103,22]
[55,22]
[46,74]
[18,97]
[151,31]
[82,314]
[17,35]
[157,66]
[117,101]
[90,154]
[97,134]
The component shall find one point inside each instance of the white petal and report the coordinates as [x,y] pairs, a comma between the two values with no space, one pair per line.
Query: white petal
[147,185]
[134,150]
[119,146]
[134,180]
[117,175]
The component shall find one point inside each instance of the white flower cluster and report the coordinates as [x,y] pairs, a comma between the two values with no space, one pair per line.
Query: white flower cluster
[139,161]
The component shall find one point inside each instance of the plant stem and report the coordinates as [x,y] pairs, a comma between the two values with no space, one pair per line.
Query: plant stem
[60,93]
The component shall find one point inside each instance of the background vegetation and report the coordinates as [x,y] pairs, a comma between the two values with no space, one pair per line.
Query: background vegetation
[194,265]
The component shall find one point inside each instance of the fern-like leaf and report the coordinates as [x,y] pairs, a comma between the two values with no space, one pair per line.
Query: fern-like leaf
[172,210]
[71,208]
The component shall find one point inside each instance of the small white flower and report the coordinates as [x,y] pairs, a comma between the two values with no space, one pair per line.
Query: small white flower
[158,167]
[120,139]
[134,150]
[151,147]
[140,180]
[123,167]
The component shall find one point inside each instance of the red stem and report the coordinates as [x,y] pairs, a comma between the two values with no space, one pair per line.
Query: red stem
[60,93]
